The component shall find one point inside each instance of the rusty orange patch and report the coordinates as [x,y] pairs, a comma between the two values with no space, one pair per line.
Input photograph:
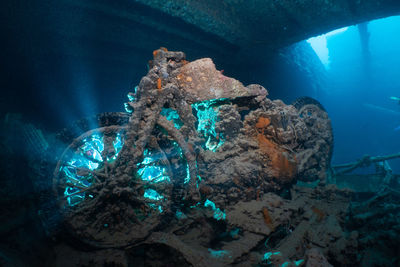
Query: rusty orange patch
[268,219]
[320,214]
[180,76]
[262,122]
[159,83]
[283,169]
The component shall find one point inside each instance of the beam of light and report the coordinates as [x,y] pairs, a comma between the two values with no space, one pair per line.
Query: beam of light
[381,109]
[320,45]
[75,100]
[58,102]
[85,94]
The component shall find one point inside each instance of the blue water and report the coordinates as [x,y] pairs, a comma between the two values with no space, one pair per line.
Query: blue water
[360,84]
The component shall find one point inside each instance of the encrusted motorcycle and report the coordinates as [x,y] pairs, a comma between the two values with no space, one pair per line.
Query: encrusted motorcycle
[191,138]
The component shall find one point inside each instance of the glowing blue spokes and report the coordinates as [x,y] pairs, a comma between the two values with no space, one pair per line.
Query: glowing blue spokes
[154,174]
[118,143]
[73,197]
[80,161]
[77,170]
[75,179]
[150,171]
[93,147]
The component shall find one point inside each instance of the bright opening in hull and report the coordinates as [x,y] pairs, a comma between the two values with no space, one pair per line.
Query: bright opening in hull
[319,44]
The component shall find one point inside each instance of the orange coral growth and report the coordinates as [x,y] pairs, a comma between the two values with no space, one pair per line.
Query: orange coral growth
[185,62]
[189,79]
[159,83]
[155,52]
[282,168]
[283,165]
[320,213]
[262,122]
[268,219]
[180,76]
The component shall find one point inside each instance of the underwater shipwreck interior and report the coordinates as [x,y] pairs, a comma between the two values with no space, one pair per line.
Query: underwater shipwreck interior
[200,133]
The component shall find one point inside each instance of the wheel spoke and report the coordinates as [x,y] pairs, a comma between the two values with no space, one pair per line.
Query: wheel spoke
[76,186]
[75,193]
